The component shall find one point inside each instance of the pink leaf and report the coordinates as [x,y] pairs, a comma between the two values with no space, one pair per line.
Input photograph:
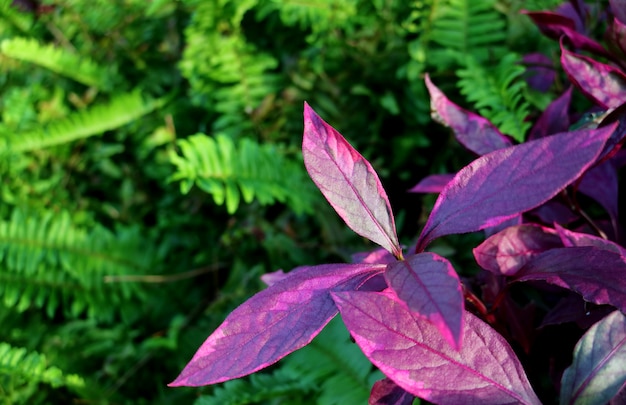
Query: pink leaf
[473,131]
[430,287]
[508,182]
[601,83]
[411,352]
[432,184]
[596,274]
[509,250]
[348,182]
[598,371]
[273,323]
[386,392]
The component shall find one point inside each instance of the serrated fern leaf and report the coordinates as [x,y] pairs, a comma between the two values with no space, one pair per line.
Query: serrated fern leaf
[468,27]
[47,262]
[59,60]
[20,366]
[498,93]
[259,388]
[246,170]
[120,111]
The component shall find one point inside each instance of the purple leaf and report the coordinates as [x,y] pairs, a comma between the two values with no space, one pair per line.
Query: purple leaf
[377,256]
[509,250]
[430,287]
[555,26]
[554,119]
[273,277]
[601,184]
[603,84]
[618,7]
[507,182]
[597,373]
[473,131]
[386,392]
[273,323]
[411,352]
[348,182]
[616,36]
[596,274]
[540,73]
[571,239]
[432,184]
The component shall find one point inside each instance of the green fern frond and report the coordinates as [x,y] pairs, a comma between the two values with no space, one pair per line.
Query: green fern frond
[61,61]
[47,262]
[498,93]
[469,27]
[20,367]
[259,388]
[230,172]
[120,111]
[9,12]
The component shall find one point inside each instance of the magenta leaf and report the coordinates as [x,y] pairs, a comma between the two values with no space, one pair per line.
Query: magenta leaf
[411,352]
[598,371]
[386,392]
[473,131]
[618,7]
[554,119]
[603,84]
[509,250]
[432,184]
[273,323]
[555,26]
[348,182]
[430,287]
[596,274]
[571,238]
[508,182]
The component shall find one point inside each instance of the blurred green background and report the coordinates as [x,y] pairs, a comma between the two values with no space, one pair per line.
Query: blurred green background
[151,172]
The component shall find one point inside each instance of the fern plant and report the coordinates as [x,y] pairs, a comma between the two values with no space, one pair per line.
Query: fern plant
[231,171]
[498,93]
[22,371]
[49,263]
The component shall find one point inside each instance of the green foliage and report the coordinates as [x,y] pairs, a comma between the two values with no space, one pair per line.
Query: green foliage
[49,263]
[229,171]
[60,61]
[21,372]
[498,93]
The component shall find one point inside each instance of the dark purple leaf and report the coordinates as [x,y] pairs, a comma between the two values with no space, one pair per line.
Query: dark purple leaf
[598,371]
[540,73]
[601,184]
[473,131]
[572,308]
[432,184]
[615,116]
[596,274]
[377,256]
[554,119]
[411,352]
[555,26]
[601,83]
[430,287]
[571,239]
[618,7]
[386,392]
[553,211]
[616,36]
[348,182]
[508,182]
[509,250]
[273,323]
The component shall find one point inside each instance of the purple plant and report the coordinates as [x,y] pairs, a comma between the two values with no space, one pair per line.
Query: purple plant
[433,335]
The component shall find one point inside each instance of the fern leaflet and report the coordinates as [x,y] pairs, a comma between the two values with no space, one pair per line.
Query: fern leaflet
[498,93]
[247,170]
[60,61]
[120,111]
